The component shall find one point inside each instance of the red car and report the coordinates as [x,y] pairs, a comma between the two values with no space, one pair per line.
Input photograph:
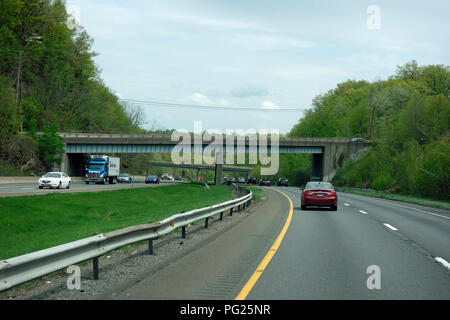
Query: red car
[321,194]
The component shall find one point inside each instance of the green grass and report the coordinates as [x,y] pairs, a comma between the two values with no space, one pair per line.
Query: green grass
[423,201]
[258,193]
[33,223]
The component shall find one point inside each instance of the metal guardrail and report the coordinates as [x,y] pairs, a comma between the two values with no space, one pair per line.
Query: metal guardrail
[33,265]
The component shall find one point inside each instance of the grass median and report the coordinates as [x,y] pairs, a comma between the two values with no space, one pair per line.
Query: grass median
[32,223]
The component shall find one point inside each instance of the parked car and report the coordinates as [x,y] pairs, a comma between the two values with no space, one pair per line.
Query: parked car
[124,178]
[265,182]
[179,178]
[240,180]
[152,179]
[251,180]
[320,194]
[283,182]
[55,180]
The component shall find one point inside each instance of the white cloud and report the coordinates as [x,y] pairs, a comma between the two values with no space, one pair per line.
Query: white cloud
[269,105]
[201,99]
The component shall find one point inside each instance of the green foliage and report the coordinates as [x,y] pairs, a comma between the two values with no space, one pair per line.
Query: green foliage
[59,83]
[407,119]
[51,147]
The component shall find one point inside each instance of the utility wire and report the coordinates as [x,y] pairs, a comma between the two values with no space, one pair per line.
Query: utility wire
[190,106]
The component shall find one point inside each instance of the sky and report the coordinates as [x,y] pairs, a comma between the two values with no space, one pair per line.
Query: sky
[261,54]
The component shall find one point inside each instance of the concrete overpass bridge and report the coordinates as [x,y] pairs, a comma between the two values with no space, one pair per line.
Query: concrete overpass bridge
[328,154]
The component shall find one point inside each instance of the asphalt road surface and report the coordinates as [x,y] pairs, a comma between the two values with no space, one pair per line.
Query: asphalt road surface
[20,189]
[367,249]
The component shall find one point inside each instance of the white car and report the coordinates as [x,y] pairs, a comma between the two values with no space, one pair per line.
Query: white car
[55,180]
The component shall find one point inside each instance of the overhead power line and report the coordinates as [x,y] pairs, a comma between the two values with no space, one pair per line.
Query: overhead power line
[191,106]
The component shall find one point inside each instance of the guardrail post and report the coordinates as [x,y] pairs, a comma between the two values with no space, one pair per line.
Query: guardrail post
[231,212]
[206,223]
[95,267]
[150,247]
[183,232]
[239,208]
[221,216]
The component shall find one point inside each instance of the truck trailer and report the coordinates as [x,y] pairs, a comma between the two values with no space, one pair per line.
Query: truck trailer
[103,169]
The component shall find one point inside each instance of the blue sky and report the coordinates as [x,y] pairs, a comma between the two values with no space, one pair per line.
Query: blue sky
[260,54]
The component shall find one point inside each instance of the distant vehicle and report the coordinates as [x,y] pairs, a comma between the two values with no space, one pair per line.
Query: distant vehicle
[229,180]
[167,176]
[152,179]
[265,182]
[125,178]
[240,180]
[283,182]
[55,180]
[103,169]
[251,180]
[179,178]
[320,194]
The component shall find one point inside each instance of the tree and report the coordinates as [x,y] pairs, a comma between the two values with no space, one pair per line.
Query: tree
[51,147]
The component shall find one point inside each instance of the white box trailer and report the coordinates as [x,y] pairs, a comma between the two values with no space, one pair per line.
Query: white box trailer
[103,169]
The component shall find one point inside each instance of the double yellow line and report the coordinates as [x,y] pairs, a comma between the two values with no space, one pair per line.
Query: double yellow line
[269,255]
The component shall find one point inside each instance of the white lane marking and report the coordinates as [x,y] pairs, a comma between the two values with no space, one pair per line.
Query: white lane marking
[390,227]
[346,204]
[443,262]
[363,212]
[407,207]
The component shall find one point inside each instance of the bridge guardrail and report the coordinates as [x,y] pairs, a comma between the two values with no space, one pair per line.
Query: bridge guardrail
[21,269]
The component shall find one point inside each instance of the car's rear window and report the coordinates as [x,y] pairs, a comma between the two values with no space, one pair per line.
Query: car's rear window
[317,186]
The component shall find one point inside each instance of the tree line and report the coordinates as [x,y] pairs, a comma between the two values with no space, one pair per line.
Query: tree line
[406,117]
[48,83]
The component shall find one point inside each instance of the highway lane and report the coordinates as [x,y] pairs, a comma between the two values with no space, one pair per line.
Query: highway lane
[323,255]
[32,189]
[326,254]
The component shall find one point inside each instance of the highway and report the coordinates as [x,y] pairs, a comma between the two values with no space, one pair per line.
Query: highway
[21,189]
[368,249]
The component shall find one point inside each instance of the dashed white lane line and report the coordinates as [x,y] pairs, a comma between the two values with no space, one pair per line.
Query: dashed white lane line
[363,212]
[346,204]
[390,227]
[443,262]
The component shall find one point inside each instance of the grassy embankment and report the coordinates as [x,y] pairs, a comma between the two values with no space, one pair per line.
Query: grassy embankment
[32,223]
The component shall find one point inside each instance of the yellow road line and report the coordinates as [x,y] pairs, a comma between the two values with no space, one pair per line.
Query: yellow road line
[265,261]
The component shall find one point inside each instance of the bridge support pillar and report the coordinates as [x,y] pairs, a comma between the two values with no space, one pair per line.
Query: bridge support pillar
[218,169]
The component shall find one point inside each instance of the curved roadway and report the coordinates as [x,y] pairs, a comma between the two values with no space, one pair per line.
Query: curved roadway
[322,254]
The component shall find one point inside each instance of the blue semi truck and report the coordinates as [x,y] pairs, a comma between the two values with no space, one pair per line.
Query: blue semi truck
[103,169]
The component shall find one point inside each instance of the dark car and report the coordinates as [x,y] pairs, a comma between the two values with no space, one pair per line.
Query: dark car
[152,179]
[283,182]
[230,180]
[179,178]
[251,180]
[124,178]
[264,182]
[319,194]
[240,180]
